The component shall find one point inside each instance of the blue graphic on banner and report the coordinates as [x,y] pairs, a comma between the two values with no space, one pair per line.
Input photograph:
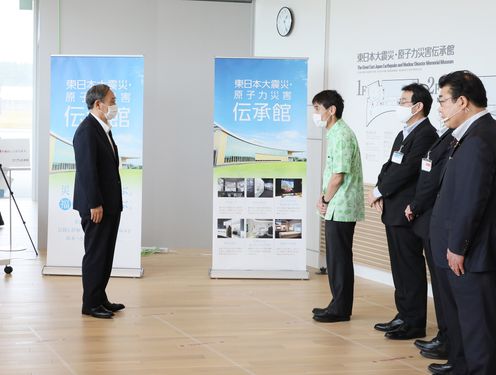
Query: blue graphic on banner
[73,76]
[263,100]
[65,204]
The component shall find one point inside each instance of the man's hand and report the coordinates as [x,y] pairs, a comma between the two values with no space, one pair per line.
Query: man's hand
[323,209]
[321,206]
[378,205]
[455,262]
[372,199]
[409,214]
[96,214]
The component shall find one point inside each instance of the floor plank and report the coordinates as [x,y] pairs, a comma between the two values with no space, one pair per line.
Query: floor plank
[179,321]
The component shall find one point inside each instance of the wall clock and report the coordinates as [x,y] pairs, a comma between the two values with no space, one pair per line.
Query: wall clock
[284,21]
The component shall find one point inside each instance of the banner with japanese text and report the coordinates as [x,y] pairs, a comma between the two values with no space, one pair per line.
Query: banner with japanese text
[259,168]
[71,77]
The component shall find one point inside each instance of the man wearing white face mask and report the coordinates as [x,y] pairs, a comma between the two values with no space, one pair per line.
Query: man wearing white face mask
[395,189]
[98,198]
[341,204]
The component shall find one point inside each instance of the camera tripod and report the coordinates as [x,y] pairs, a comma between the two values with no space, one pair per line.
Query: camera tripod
[8,268]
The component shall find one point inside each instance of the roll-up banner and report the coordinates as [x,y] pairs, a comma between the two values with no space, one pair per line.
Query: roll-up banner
[71,77]
[259,168]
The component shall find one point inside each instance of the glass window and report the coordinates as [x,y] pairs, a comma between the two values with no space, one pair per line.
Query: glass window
[16,80]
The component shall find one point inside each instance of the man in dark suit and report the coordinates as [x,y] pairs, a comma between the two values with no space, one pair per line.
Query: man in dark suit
[98,198]
[419,211]
[463,227]
[395,189]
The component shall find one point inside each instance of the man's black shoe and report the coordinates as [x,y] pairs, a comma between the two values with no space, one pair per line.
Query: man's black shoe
[440,368]
[434,354]
[98,312]
[433,344]
[389,326]
[330,318]
[319,310]
[405,332]
[113,306]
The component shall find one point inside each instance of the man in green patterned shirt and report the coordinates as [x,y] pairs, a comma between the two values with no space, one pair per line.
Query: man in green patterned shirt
[341,204]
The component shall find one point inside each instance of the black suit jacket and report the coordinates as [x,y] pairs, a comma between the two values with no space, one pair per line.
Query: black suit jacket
[98,182]
[464,215]
[397,182]
[428,184]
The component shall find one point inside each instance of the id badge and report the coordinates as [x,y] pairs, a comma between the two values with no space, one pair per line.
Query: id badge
[426,164]
[397,157]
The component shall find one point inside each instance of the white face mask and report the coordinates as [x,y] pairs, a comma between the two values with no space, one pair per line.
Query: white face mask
[441,127]
[112,112]
[317,120]
[403,114]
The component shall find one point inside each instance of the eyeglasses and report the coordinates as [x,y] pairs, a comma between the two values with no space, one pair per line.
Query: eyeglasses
[441,101]
[401,102]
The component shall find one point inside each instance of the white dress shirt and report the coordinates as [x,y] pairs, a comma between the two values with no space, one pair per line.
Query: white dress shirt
[106,128]
[407,130]
[460,131]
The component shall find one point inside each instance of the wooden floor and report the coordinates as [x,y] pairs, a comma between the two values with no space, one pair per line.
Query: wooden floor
[177,321]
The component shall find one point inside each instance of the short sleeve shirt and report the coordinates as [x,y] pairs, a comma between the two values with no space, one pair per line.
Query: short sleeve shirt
[343,156]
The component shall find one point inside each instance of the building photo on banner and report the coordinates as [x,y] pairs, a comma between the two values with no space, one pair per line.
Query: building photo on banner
[259,168]
[72,77]
[370,70]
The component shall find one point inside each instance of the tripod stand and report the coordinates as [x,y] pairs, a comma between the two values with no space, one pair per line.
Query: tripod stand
[8,268]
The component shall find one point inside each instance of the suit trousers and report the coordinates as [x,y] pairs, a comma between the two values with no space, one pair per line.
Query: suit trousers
[409,274]
[469,303]
[339,258]
[438,306]
[99,247]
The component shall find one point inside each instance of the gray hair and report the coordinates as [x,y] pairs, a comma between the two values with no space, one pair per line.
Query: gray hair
[97,92]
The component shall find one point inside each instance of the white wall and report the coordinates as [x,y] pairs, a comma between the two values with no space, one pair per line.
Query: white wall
[179,40]
[352,33]
[307,39]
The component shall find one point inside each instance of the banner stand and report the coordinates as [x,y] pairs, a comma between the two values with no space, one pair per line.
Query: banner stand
[259,274]
[76,271]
